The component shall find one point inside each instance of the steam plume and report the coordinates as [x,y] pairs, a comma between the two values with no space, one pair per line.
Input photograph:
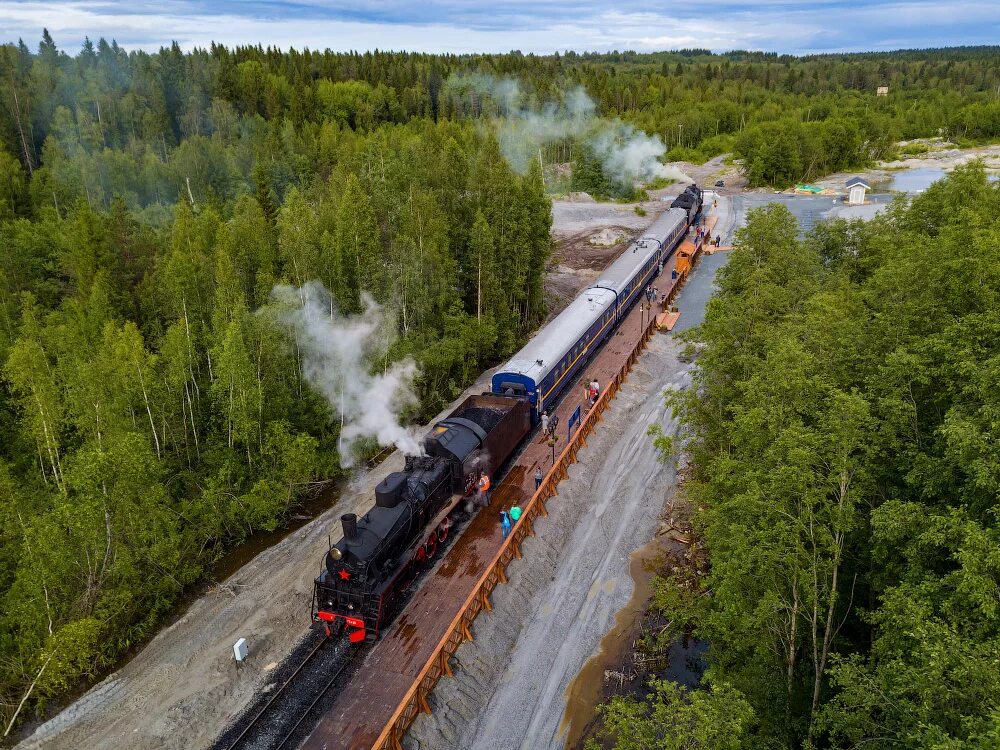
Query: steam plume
[627,155]
[335,351]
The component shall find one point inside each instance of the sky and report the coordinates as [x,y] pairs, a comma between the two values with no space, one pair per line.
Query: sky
[539,26]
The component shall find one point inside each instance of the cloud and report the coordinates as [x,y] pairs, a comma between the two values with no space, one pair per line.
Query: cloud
[541,26]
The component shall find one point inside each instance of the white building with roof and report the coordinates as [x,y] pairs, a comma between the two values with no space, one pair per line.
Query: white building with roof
[856,189]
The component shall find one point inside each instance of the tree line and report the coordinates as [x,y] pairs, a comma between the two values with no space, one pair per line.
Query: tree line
[845,480]
[142,126]
[153,410]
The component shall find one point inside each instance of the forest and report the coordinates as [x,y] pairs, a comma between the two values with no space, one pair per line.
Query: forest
[153,409]
[845,476]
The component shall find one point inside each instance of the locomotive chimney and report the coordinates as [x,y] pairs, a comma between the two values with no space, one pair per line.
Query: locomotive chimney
[350,522]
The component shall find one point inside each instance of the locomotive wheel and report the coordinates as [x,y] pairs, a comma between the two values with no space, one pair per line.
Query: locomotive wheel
[420,554]
[431,545]
[443,530]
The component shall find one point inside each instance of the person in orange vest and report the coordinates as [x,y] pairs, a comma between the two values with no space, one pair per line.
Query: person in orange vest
[483,489]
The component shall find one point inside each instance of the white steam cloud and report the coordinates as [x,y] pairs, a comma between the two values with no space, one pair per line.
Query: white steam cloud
[335,351]
[627,155]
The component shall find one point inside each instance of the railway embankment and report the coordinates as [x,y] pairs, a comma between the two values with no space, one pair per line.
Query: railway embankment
[562,597]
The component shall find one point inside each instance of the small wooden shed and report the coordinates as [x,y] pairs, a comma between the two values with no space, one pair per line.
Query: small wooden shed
[856,189]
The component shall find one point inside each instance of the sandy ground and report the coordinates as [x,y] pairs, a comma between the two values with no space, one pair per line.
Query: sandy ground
[563,595]
[510,688]
[580,231]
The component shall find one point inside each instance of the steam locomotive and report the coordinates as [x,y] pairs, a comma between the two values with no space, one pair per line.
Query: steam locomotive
[364,572]
[377,556]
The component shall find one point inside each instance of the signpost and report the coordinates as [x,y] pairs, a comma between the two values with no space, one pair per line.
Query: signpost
[574,420]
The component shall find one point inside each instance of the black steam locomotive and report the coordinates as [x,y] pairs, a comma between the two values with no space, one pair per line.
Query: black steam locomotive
[379,552]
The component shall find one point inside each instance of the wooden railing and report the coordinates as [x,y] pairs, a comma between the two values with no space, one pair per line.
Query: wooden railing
[460,629]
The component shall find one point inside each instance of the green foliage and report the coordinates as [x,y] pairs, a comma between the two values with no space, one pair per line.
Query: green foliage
[845,479]
[149,202]
[665,444]
[152,414]
[672,718]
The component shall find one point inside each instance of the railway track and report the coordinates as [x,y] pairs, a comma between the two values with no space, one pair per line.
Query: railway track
[303,688]
[302,692]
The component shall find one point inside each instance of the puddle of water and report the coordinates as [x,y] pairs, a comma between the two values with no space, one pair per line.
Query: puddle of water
[911,180]
[586,692]
[685,657]
[916,180]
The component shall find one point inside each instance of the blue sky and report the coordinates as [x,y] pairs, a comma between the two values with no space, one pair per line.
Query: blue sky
[541,26]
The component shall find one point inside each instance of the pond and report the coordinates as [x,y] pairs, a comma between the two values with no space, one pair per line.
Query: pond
[915,180]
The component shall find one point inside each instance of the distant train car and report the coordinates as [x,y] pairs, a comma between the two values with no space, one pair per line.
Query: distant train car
[548,363]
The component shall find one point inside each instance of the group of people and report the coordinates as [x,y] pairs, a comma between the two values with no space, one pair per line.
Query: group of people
[593,391]
[549,424]
[482,499]
[702,233]
[508,519]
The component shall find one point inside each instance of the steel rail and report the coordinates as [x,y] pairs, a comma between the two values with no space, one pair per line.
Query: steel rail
[319,696]
[277,693]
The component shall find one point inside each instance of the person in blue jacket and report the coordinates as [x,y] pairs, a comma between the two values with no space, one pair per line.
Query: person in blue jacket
[504,523]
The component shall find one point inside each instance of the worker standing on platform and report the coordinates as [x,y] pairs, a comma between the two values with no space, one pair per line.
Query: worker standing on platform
[545,423]
[504,523]
[538,478]
[483,487]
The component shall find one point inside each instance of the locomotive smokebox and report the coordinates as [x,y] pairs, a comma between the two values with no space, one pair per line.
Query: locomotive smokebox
[350,523]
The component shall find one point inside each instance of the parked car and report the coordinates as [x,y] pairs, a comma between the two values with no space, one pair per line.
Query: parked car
[720,183]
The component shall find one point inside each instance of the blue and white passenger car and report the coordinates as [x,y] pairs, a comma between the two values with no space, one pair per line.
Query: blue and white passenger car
[548,363]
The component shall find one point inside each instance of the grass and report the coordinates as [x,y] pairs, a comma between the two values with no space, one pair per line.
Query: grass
[659,182]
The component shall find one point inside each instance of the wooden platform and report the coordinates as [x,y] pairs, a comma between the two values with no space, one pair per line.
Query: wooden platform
[666,321]
[391,668]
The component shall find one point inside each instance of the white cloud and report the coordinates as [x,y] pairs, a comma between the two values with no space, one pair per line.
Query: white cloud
[532,26]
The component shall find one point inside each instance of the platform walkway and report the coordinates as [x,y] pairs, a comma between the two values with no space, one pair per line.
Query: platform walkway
[392,685]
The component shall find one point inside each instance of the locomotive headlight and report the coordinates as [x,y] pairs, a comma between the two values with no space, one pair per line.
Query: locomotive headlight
[336,554]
